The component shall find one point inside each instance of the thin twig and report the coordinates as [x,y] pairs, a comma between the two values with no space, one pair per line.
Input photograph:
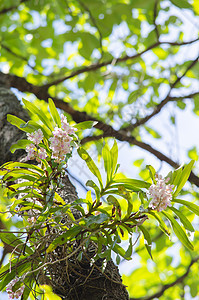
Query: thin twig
[5,10]
[94,23]
[167,286]
[154,19]
[20,57]
[94,67]
[167,99]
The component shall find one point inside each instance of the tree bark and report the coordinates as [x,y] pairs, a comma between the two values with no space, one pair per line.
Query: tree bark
[89,282]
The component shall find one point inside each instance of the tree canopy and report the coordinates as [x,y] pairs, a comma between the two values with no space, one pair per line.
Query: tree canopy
[127,66]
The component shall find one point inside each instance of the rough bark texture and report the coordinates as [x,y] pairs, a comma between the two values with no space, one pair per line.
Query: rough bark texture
[9,134]
[87,283]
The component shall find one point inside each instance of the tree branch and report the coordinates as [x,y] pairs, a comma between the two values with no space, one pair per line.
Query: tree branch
[20,57]
[94,67]
[167,286]
[94,23]
[5,10]
[154,19]
[22,85]
[167,99]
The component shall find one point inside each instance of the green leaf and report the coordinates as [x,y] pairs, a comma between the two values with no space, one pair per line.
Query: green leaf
[129,250]
[119,250]
[161,53]
[182,3]
[152,132]
[114,156]
[152,172]
[147,238]
[162,224]
[193,288]
[176,176]
[23,266]
[180,233]
[21,144]
[20,171]
[54,112]
[12,240]
[191,206]
[133,96]
[99,219]
[90,163]
[130,207]
[92,184]
[33,126]
[184,177]
[183,219]
[133,182]
[107,162]
[192,153]
[34,110]
[11,165]
[18,122]
[117,259]
[63,238]
[113,201]
[85,125]
[28,287]
[89,200]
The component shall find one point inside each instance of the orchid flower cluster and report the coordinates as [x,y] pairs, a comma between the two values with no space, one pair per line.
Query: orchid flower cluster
[14,294]
[160,193]
[33,149]
[60,143]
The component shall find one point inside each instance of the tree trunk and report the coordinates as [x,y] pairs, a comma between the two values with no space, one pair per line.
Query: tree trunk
[89,282]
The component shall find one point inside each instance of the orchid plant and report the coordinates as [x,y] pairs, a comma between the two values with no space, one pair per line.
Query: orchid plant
[49,221]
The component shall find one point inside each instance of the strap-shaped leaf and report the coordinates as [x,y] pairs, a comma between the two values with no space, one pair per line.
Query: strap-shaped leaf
[114,156]
[180,233]
[184,177]
[127,186]
[176,176]
[119,250]
[99,219]
[89,200]
[147,238]
[129,250]
[11,165]
[23,172]
[22,267]
[85,125]
[21,144]
[191,206]
[92,184]
[187,224]
[54,112]
[112,200]
[59,199]
[33,126]
[18,122]
[90,163]
[22,176]
[134,183]
[107,162]
[14,241]
[152,172]
[163,226]
[33,109]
